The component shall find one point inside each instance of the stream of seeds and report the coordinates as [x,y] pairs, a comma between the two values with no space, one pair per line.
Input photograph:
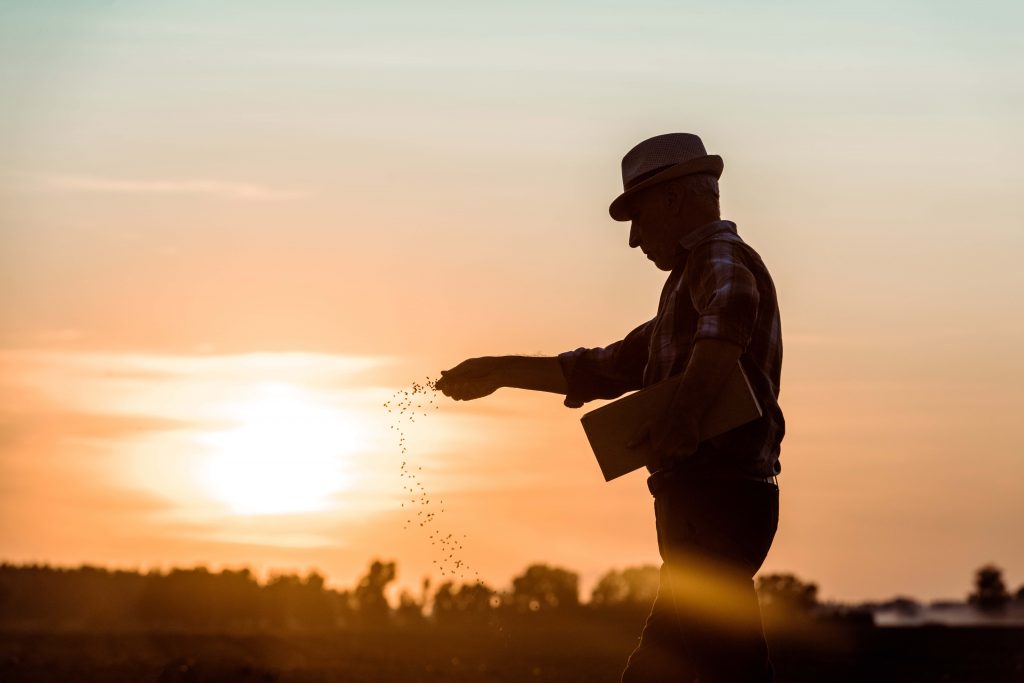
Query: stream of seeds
[404,406]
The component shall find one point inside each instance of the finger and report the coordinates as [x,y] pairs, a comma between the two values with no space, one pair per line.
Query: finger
[457,375]
[453,389]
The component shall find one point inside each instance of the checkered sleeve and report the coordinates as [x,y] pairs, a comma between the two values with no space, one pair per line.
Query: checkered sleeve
[724,293]
[606,372]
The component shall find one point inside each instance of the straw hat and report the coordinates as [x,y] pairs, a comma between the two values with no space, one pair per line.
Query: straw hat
[658,159]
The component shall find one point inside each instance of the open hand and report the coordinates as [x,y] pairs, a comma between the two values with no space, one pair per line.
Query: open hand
[472,378]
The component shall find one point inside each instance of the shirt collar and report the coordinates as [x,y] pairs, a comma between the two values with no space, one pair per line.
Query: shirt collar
[713,228]
[690,239]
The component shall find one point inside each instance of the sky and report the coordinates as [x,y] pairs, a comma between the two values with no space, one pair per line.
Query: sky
[230,233]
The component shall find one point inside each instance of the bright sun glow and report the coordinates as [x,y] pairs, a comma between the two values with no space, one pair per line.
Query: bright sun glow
[287,455]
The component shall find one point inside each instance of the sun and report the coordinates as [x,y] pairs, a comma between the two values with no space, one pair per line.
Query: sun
[287,454]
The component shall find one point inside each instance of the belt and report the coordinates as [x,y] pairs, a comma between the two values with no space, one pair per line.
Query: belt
[660,478]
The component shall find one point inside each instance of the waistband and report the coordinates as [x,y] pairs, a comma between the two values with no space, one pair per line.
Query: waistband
[658,480]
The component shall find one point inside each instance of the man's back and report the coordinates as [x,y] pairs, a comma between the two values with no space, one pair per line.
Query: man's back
[717,277]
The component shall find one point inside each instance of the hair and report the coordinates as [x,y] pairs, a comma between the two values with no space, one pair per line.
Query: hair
[700,191]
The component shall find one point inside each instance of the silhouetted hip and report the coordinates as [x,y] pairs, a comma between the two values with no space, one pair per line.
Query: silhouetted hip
[713,535]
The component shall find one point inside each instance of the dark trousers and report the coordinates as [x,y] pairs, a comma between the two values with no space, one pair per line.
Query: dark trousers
[713,535]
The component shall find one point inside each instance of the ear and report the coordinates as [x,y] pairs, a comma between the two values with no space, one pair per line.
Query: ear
[672,197]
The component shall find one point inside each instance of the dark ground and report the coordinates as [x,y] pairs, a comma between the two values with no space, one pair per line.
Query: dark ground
[572,653]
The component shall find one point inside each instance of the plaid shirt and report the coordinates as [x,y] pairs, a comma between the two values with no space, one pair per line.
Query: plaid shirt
[719,289]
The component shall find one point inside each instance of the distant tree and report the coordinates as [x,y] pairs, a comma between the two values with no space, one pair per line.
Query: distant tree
[369,594]
[904,606]
[343,607]
[313,605]
[181,597]
[475,599]
[83,595]
[542,587]
[472,601]
[299,603]
[410,608]
[1019,595]
[610,590]
[633,587]
[785,594]
[277,597]
[990,594]
[444,600]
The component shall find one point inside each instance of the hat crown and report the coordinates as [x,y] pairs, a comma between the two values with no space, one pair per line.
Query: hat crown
[658,153]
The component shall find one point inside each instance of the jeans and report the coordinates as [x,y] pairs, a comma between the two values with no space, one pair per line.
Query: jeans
[713,535]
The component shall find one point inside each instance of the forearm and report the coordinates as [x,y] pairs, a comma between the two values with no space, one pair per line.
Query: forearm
[676,433]
[478,377]
[711,363]
[537,373]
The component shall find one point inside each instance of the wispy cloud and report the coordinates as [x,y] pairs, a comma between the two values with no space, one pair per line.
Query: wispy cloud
[23,426]
[217,188]
[171,390]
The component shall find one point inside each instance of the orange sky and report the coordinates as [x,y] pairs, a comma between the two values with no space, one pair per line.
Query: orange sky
[225,237]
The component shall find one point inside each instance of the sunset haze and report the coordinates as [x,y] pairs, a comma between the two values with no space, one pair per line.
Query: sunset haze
[229,234]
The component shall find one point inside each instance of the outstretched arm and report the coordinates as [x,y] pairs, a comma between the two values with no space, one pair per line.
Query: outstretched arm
[581,375]
[478,377]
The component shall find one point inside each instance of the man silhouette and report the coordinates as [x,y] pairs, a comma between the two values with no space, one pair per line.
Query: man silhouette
[716,502]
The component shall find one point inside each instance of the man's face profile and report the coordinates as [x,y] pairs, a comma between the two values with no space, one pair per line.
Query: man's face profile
[652,226]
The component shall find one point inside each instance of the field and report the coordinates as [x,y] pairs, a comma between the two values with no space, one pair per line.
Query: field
[572,652]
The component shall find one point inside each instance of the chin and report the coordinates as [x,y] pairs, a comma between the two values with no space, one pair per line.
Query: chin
[661,265]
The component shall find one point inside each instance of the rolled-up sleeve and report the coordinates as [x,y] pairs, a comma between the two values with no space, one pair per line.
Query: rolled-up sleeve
[724,294]
[606,372]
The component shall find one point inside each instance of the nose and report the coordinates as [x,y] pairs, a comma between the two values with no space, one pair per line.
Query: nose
[634,235]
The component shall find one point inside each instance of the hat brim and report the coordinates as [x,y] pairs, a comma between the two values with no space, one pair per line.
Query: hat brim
[712,163]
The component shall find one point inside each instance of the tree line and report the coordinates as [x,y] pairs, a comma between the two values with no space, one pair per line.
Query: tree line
[197,598]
